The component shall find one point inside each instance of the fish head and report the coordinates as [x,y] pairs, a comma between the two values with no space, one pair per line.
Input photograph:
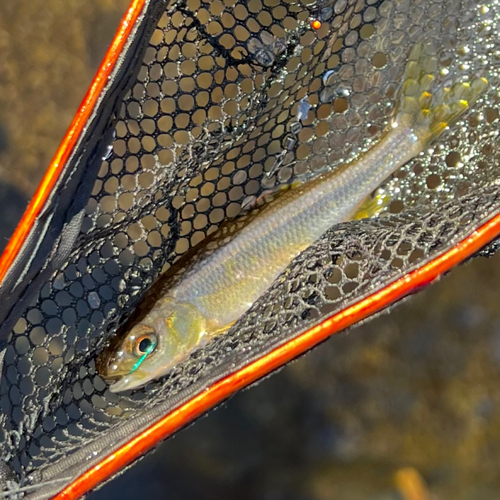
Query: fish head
[129,362]
[151,347]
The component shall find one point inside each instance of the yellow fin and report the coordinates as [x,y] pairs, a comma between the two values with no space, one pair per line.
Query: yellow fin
[220,330]
[372,206]
[411,485]
[427,110]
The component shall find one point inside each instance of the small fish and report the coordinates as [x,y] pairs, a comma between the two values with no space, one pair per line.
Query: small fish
[181,315]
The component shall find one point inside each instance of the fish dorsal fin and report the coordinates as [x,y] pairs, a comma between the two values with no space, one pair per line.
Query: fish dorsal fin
[251,203]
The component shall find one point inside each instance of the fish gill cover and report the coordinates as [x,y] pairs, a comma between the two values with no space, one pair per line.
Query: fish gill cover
[230,100]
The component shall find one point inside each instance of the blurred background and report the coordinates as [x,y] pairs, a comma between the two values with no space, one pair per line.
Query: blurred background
[405,407]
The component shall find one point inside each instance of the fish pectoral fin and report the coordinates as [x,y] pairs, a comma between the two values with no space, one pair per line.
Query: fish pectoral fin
[371,206]
[220,330]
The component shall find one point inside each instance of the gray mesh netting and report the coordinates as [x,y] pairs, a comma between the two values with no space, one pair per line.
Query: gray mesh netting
[230,100]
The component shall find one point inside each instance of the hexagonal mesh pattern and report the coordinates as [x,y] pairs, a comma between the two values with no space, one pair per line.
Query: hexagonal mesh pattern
[232,99]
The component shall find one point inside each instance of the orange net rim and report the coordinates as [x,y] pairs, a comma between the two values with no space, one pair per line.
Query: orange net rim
[71,138]
[224,388]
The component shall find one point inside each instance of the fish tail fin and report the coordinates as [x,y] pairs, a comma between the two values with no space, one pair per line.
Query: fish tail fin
[427,111]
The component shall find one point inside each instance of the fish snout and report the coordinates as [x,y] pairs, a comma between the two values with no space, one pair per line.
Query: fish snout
[111,366]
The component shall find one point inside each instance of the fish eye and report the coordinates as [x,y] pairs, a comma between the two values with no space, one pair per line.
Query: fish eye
[145,344]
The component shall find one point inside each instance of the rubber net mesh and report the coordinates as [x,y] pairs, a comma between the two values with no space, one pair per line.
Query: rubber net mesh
[231,100]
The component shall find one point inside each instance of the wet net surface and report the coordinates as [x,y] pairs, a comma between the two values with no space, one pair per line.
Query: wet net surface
[228,93]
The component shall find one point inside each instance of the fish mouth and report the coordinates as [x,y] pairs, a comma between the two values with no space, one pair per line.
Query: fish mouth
[117,373]
[119,385]
[126,384]
[111,378]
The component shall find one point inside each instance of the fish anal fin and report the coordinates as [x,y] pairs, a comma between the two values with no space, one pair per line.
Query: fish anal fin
[214,330]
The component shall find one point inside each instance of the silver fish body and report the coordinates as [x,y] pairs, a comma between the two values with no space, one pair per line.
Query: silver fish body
[225,284]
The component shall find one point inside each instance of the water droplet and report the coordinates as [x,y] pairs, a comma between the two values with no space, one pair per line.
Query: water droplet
[327,76]
[464,50]
[265,58]
[326,13]
[59,282]
[290,143]
[278,161]
[94,300]
[295,128]
[303,110]
[248,202]
[107,154]
[329,94]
